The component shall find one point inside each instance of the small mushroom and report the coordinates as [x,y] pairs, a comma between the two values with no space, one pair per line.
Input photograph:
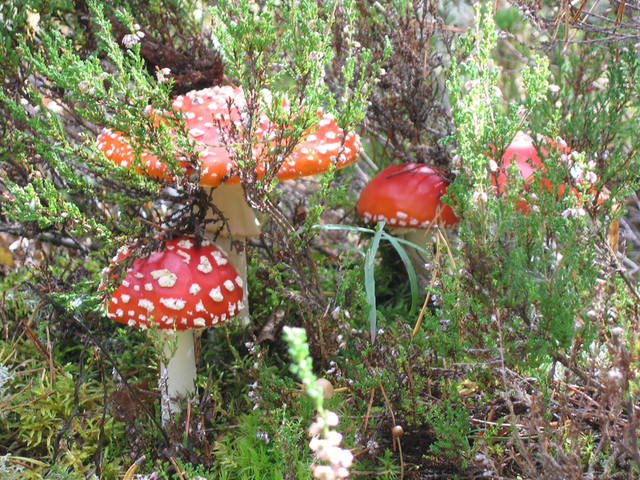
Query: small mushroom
[178,289]
[408,198]
[523,152]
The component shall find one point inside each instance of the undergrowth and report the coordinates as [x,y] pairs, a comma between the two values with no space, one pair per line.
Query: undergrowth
[516,358]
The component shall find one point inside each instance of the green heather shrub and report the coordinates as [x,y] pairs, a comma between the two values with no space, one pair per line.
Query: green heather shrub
[518,360]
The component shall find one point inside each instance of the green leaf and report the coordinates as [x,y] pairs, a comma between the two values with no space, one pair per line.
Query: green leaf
[369,279]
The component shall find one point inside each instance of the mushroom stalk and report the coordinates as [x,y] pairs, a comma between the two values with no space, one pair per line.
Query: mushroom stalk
[422,238]
[178,374]
[242,223]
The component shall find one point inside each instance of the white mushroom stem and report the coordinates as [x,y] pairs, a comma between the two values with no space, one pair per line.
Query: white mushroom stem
[422,238]
[178,374]
[242,224]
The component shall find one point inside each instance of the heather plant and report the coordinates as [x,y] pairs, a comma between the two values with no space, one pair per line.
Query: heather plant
[518,360]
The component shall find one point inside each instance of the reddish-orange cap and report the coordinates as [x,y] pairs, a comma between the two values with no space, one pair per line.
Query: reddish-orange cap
[523,151]
[406,195]
[178,288]
[210,112]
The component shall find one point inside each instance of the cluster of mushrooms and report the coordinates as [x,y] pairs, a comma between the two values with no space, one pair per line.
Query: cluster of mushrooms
[192,284]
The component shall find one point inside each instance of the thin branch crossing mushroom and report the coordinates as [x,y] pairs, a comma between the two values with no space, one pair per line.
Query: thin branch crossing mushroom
[178,289]
[209,116]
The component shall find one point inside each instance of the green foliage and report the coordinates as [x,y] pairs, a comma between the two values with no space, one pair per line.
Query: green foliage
[449,420]
[264,449]
[530,321]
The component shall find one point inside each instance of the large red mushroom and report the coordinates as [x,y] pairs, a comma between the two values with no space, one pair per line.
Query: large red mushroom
[178,289]
[209,116]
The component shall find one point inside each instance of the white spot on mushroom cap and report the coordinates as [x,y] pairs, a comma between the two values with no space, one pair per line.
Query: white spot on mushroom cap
[185,256]
[200,307]
[228,284]
[165,277]
[173,303]
[199,322]
[205,265]
[125,298]
[219,258]
[185,243]
[194,288]
[216,295]
[148,287]
[239,282]
[146,304]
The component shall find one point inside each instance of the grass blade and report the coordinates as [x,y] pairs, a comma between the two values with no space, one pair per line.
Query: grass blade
[369,279]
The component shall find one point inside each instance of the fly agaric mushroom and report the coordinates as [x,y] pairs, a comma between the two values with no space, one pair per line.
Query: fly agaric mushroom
[407,197]
[209,116]
[526,156]
[178,289]
[523,152]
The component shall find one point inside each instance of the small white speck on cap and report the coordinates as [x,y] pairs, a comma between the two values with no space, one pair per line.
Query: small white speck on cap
[205,265]
[219,258]
[114,300]
[239,282]
[199,322]
[125,298]
[131,322]
[173,303]
[165,277]
[185,244]
[146,304]
[216,294]
[200,307]
[228,284]
[194,288]
[148,287]
[136,288]
[186,258]
[119,312]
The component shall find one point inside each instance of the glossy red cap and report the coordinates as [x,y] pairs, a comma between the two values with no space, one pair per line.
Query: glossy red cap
[406,195]
[178,288]
[210,112]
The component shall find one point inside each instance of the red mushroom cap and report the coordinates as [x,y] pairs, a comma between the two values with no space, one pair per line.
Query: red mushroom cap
[178,287]
[406,195]
[523,151]
[205,111]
